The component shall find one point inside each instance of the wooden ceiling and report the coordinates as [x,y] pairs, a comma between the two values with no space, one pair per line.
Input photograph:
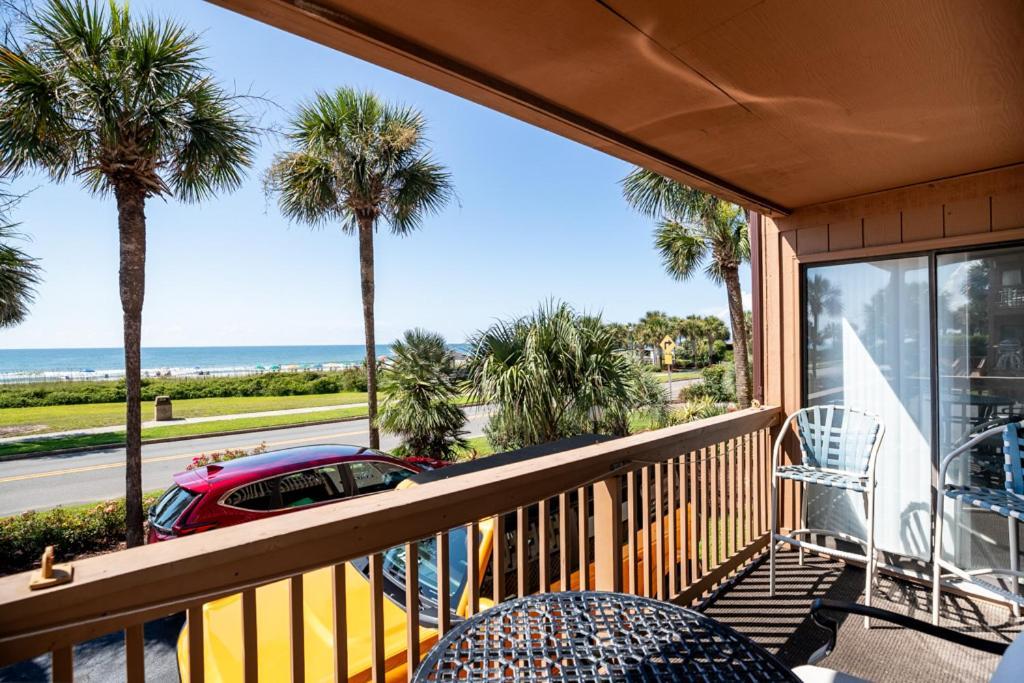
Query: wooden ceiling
[776,104]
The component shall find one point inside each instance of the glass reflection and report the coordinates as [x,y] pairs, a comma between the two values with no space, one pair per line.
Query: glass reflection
[867,344]
[981,377]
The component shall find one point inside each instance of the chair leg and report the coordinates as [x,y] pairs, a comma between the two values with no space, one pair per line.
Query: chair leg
[869,568]
[937,553]
[1014,562]
[803,520]
[772,523]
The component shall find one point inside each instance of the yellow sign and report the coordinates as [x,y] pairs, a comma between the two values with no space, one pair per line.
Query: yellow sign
[667,344]
[666,358]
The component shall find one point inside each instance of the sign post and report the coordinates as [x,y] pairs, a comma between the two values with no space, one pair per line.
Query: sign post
[667,346]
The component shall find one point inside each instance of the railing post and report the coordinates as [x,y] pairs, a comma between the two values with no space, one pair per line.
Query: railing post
[608,535]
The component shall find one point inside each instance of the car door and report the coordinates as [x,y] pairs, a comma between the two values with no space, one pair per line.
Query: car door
[373,476]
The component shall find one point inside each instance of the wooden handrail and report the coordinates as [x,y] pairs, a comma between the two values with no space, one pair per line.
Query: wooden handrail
[114,591]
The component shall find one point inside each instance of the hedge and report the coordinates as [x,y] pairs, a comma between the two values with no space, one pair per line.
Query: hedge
[82,529]
[268,384]
[74,531]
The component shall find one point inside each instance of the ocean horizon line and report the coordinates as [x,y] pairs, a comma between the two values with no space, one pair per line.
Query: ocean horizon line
[86,363]
[193,346]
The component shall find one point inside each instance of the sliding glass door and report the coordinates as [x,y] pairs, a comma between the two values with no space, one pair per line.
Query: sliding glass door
[934,345]
[980,323]
[868,345]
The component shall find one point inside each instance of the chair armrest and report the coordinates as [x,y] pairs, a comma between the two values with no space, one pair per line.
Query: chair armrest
[989,429]
[830,625]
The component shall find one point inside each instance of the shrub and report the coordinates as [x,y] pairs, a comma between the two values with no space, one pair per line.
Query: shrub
[420,397]
[205,459]
[697,409]
[718,383]
[553,374]
[73,532]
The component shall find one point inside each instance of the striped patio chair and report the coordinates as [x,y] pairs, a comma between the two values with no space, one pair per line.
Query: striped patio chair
[838,448]
[1007,502]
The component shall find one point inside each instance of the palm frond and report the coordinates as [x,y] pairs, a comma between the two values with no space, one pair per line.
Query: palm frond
[305,189]
[421,187]
[682,248]
[216,145]
[19,275]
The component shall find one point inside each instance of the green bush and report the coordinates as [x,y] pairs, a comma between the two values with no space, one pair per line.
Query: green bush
[72,531]
[718,383]
[269,384]
[420,397]
[697,409]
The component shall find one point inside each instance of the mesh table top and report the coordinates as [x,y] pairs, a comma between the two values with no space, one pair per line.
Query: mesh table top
[578,637]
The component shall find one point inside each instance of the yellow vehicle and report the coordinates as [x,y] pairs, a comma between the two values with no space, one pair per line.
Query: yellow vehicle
[222,619]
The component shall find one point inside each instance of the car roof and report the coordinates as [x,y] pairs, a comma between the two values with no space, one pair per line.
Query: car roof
[499,459]
[271,463]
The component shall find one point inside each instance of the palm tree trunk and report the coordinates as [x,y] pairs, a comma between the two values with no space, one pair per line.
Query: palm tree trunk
[739,335]
[131,223]
[366,277]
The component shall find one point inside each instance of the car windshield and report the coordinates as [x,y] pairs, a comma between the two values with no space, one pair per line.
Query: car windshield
[168,509]
[395,559]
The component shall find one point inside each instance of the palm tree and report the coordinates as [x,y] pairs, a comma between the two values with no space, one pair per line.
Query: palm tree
[19,273]
[653,327]
[129,108]
[420,394]
[697,231]
[556,373]
[355,160]
[823,297]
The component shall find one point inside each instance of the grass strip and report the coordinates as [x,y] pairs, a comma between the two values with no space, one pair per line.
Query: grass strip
[43,419]
[45,445]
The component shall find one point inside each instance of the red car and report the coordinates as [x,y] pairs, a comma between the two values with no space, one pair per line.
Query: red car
[260,486]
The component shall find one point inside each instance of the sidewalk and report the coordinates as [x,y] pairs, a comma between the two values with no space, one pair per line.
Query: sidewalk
[181,421]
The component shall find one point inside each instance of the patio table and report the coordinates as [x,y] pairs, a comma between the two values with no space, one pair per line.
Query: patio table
[596,636]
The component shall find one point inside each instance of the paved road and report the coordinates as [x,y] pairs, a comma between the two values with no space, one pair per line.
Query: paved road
[47,481]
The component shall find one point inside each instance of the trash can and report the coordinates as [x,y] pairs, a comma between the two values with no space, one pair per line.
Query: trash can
[163,409]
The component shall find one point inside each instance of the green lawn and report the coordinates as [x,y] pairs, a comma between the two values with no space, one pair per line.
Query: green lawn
[194,429]
[676,376]
[480,445]
[41,420]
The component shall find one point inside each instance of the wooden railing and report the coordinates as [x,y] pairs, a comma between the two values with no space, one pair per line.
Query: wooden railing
[670,514]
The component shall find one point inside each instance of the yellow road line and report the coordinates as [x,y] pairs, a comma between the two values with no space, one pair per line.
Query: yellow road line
[164,458]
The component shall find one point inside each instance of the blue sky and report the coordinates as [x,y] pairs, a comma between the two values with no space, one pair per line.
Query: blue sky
[538,216]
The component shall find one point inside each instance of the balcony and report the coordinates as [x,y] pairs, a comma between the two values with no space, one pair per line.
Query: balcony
[679,514]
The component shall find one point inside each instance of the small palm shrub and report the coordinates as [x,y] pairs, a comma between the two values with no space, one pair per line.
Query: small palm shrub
[697,409]
[420,397]
[556,373]
[646,403]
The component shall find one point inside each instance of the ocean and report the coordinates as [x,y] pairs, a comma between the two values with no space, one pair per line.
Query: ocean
[31,365]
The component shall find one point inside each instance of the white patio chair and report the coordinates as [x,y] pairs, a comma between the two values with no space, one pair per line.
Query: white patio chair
[838,446]
[1007,502]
